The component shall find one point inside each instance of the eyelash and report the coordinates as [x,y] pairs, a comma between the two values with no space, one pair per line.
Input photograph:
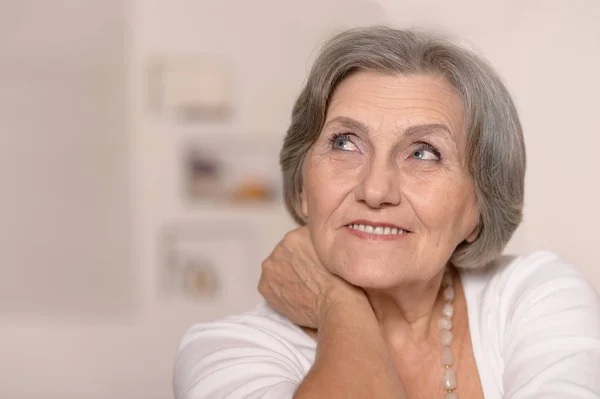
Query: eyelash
[338,136]
[426,146]
[422,145]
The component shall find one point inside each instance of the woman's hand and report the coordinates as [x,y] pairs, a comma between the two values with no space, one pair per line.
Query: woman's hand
[295,283]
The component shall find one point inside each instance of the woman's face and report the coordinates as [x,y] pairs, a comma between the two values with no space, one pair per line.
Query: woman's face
[386,190]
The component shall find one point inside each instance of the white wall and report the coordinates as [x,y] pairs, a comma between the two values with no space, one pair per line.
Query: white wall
[561,59]
[63,155]
[547,51]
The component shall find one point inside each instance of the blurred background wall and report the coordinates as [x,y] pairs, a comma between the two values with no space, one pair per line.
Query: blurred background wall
[92,165]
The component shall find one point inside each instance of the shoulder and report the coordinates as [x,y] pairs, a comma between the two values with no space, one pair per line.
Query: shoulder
[540,289]
[538,319]
[237,352]
[514,278]
[262,325]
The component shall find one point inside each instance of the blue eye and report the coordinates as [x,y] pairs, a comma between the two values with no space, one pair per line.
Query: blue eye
[342,142]
[426,152]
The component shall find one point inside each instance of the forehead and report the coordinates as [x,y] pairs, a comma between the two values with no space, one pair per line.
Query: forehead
[397,101]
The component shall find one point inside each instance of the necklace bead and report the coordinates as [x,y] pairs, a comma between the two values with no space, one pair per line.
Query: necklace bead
[445,323]
[446,336]
[447,359]
[447,280]
[449,293]
[450,379]
[448,310]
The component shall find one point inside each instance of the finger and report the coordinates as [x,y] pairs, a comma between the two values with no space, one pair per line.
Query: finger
[262,285]
[274,251]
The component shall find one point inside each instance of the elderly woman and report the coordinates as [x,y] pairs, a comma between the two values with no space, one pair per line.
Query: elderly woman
[404,163]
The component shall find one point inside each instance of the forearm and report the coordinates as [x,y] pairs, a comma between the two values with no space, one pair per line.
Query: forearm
[352,360]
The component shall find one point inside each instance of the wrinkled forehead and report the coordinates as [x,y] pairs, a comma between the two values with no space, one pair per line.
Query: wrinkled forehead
[375,102]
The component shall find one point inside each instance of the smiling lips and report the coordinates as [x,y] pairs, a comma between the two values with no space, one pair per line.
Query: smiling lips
[368,229]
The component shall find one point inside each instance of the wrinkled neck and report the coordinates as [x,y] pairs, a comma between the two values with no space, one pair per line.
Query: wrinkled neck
[409,312]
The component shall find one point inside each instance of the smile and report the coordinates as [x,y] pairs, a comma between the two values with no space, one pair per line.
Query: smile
[379,230]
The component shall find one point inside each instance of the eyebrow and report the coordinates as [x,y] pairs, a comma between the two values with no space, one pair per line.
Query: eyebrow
[420,130]
[414,130]
[350,123]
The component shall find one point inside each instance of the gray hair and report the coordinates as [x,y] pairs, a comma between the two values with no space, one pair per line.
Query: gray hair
[495,153]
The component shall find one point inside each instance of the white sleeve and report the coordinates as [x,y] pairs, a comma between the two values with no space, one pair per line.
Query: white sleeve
[552,337]
[239,358]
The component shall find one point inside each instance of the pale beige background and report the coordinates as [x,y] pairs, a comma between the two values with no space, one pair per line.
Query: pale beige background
[90,177]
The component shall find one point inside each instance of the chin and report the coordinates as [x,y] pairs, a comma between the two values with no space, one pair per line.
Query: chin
[370,274]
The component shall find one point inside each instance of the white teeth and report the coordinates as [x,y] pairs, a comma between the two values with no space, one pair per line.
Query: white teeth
[376,230]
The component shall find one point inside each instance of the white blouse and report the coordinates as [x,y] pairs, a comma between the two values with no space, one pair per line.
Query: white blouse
[534,323]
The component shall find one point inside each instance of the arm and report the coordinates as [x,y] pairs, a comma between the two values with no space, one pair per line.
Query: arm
[262,355]
[352,358]
[552,348]
[240,358]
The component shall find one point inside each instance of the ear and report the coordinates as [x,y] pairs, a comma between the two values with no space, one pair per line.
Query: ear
[474,233]
[303,205]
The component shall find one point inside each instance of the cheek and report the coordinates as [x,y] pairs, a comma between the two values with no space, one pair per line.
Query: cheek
[443,203]
[323,198]
[326,184]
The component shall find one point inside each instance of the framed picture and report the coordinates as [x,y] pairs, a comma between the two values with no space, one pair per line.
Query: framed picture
[190,89]
[233,171]
[208,262]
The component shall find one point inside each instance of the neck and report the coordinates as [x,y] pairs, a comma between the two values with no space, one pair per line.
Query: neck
[408,313]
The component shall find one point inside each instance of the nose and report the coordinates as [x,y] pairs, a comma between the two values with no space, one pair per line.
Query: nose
[379,186]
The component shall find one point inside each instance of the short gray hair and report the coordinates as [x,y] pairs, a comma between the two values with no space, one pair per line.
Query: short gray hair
[495,153]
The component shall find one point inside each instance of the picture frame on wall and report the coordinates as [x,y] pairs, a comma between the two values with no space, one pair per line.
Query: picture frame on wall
[232,171]
[207,261]
[192,88]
